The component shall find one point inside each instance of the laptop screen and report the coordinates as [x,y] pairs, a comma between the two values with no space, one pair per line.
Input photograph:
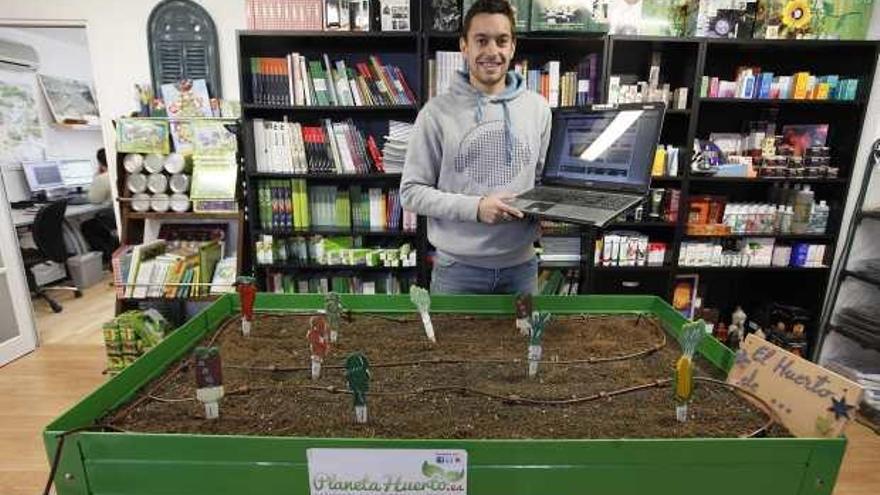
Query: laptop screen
[605,149]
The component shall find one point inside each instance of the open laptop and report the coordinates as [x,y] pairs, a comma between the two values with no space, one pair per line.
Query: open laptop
[598,163]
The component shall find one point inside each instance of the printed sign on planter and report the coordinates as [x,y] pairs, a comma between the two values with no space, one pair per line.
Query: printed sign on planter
[379,471]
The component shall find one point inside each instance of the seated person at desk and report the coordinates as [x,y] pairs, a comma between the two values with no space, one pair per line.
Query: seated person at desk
[99,191]
[98,231]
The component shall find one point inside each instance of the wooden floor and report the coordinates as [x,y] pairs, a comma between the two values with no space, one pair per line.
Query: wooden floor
[38,387]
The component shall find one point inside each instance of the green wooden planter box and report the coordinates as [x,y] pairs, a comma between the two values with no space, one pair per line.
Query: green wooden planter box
[161,464]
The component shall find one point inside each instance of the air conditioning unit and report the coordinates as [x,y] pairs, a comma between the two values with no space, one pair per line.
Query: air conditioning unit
[19,55]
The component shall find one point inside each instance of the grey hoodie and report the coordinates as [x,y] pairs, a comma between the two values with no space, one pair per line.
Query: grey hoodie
[465,145]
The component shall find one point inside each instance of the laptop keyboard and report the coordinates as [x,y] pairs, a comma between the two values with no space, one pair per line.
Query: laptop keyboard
[592,199]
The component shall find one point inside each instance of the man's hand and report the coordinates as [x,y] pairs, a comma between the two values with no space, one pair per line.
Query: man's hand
[493,209]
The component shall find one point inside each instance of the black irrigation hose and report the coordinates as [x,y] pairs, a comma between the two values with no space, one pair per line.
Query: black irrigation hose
[56,461]
[395,364]
[515,399]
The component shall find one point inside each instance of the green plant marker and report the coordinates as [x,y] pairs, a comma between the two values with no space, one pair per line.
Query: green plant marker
[523,306]
[422,301]
[691,336]
[537,324]
[333,307]
[209,379]
[357,374]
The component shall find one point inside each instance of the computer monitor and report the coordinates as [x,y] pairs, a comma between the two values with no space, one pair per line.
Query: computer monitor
[77,173]
[43,176]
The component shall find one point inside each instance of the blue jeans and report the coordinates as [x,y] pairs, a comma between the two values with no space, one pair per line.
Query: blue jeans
[452,277]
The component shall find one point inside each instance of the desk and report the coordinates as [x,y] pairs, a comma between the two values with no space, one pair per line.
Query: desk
[23,218]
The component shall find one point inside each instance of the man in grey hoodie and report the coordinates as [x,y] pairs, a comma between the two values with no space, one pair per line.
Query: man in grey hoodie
[481,143]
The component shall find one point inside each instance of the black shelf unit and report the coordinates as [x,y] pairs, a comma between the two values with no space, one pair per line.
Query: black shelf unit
[685,61]
[402,49]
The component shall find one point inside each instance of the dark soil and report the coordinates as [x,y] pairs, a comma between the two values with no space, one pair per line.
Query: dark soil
[271,399]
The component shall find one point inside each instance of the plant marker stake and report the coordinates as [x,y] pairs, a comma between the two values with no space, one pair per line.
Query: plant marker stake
[536,335]
[209,380]
[691,335]
[422,301]
[247,293]
[523,307]
[319,345]
[333,308]
[357,374]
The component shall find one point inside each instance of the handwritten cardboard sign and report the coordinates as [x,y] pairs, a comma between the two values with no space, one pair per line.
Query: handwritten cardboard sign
[809,400]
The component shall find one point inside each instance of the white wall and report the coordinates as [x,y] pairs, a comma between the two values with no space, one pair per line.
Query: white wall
[63,52]
[117,40]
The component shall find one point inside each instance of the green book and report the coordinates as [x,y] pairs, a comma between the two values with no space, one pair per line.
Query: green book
[565,15]
[320,83]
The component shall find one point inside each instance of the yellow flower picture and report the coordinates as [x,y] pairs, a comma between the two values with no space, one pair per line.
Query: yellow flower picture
[796,14]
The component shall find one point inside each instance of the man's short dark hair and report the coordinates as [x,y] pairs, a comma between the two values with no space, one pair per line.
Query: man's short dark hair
[502,7]
[101,156]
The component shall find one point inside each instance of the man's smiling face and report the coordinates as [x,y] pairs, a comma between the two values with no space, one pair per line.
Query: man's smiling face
[488,48]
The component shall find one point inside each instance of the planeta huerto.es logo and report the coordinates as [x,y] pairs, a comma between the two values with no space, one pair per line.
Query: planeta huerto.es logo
[435,479]
[403,473]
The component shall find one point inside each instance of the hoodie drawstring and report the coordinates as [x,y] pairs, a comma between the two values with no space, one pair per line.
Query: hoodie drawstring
[508,135]
[508,132]
[481,103]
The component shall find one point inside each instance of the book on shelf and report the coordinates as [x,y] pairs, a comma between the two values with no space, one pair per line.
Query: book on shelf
[319,81]
[558,281]
[166,268]
[576,87]
[442,69]
[396,143]
[623,248]
[446,16]
[293,205]
[296,15]
[394,15]
[326,147]
[224,276]
[568,15]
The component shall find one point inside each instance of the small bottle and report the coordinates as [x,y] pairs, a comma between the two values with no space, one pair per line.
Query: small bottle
[777,219]
[819,218]
[785,225]
[768,218]
[754,219]
[803,208]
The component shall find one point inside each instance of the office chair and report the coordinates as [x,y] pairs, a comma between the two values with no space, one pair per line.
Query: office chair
[47,231]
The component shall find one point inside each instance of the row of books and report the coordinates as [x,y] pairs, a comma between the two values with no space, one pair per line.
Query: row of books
[328,15]
[172,269]
[296,80]
[337,250]
[563,89]
[753,83]
[559,282]
[374,283]
[293,205]
[326,147]
[621,248]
